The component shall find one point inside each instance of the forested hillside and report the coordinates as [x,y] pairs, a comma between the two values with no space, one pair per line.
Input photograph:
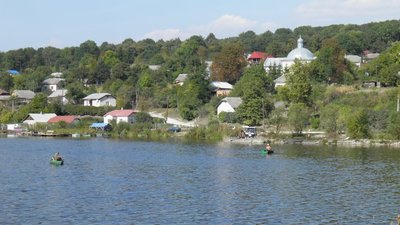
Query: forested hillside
[123,70]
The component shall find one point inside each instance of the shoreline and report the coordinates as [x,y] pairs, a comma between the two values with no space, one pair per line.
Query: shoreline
[314,142]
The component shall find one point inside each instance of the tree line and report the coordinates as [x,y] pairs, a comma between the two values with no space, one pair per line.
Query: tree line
[123,69]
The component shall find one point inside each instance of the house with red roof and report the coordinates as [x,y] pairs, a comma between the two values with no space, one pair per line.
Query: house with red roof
[122,115]
[66,119]
[257,57]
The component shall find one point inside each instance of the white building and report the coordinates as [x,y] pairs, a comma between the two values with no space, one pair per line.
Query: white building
[59,96]
[300,53]
[99,99]
[53,84]
[122,115]
[228,104]
[34,118]
[221,88]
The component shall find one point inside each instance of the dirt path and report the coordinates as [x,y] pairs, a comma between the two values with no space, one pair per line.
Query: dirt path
[174,121]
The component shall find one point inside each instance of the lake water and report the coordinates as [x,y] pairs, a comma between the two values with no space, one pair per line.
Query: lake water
[128,182]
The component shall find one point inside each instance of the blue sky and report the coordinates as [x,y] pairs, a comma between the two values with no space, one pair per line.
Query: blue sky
[58,23]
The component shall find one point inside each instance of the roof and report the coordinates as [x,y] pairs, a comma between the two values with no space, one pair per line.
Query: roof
[221,85]
[273,62]
[181,77]
[154,67]
[99,125]
[40,117]
[67,119]
[233,101]
[13,72]
[281,79]
[52,81]
[258,55]
[58,93]
[121,113]
[96,96]
[353,58]
[56,74]
[300,52]
[24,94]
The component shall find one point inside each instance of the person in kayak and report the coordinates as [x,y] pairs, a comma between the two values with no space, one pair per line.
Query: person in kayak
[57,156]
[268,147]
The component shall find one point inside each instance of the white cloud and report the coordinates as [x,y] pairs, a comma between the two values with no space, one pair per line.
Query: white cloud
[224,26]
[349,8]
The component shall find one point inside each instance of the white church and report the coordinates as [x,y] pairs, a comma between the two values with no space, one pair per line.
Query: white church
[300,53]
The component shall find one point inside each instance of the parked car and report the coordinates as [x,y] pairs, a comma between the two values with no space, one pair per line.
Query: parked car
[250,131]
[174,129]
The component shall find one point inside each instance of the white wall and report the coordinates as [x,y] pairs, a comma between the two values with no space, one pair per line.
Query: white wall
[108,101]
[224,107]
[108,118]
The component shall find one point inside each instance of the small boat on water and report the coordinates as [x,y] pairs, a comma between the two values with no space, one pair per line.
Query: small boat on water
[265,151]
[56,162]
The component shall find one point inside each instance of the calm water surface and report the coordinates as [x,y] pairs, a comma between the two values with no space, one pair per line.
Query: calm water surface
[123,182]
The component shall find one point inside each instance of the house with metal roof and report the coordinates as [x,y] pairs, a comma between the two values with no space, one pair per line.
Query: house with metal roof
[122,115]
[101,126]
[4,95]
[221,88]
[59,96]
[99,99]
[24,96]
[13,72]
[181,79]
[280,81]
[257,57]
[34,118]
[357,60]
[65,119]
[229,104]
[53,84]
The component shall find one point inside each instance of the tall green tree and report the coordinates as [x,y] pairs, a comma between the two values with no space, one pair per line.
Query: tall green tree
[298,83]
[330,65]
[298,116]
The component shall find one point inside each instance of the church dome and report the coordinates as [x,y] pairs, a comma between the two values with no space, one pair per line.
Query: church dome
[300,52]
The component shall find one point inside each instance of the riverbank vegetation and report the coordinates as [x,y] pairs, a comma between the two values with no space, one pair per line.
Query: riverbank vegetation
[327,94]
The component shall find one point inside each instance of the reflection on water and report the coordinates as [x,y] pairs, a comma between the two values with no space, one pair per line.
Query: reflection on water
[121,182]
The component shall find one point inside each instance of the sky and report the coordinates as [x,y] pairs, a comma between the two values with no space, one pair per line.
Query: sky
[68,23]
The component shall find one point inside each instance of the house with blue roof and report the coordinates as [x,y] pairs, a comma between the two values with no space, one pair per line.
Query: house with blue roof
[13,72]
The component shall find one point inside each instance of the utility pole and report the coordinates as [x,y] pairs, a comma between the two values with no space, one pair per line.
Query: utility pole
[263,111]
[166,113]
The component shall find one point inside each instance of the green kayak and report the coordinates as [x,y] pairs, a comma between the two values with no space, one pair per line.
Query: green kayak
[56,162]
[265,151]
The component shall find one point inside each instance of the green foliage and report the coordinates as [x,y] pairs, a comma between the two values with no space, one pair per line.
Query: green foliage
[298,84]
[298,116]
[228,65]
[357,125]
[329,118]
[143,117]
[6,82]
[278,118]
[228,117]
[253,110]
[330,66]
[191,95]
[394,126]
[86,110]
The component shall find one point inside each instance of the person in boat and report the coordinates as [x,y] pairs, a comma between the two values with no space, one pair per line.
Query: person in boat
[57,156]
[268,147]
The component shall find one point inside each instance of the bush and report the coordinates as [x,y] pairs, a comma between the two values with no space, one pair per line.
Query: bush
[228,117]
